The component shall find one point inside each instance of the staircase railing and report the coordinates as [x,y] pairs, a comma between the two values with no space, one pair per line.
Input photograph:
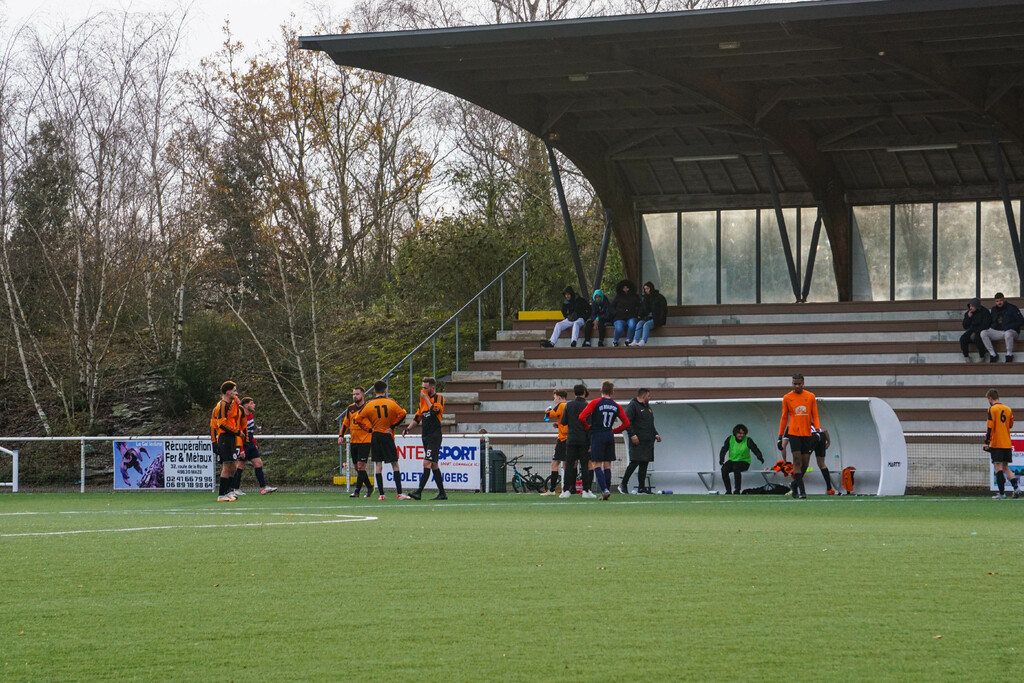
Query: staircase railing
[498,281]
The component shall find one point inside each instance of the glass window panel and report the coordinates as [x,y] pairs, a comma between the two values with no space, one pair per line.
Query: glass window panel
[957,232]
[739,257]
[776,287]
[913,231]
[658,253]
[870,249]
[998,266]
[823,279]
[698,264]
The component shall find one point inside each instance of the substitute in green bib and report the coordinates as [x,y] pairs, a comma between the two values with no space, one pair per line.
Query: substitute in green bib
[738,448]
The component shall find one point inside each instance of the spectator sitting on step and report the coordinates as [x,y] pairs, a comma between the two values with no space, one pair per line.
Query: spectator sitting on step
[625,311]
[653,313]
[574,313]
[1006,324]
[599,315]
[976,320]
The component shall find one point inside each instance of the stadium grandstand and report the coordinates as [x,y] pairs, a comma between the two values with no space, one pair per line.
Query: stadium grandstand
[816,187]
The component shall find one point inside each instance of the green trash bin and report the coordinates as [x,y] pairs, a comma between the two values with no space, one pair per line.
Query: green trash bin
[499,471]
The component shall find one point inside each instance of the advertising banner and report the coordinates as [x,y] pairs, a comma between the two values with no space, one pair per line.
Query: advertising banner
[1017,466]
[459,462]
[171,464]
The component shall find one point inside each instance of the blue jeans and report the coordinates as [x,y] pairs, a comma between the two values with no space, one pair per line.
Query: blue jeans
[643,330]
[627,326]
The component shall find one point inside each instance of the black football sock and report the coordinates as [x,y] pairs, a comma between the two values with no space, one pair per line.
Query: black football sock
[369,482]
[424,478]
[225,485]
[588,479]
[439,480]
[602,483]
[380,482]
[236,482]
[800,484]
[398,482]
[1001,481]
[359,481]
[260,478]
[828,478]
[1013,483]
[555,479]
[608,477]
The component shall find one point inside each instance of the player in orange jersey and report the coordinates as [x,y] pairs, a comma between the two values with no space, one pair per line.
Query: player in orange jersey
[227,424]
[429,416]
[553,416]
[359,448]
[379,417]
[998,443]
[799,421]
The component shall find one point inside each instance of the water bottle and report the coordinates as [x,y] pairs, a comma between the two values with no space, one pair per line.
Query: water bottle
[579,485]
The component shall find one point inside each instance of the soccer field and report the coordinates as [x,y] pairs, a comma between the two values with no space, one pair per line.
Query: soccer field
[504,587]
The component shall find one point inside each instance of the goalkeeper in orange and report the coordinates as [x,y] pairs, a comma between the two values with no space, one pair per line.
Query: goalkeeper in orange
[799,422]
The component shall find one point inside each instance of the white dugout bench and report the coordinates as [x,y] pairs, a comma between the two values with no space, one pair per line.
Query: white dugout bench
[865,434]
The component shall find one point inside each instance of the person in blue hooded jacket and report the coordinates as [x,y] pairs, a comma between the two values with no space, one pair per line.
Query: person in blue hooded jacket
[600,314]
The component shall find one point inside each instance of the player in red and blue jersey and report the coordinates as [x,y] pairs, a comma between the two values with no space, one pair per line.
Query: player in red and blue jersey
[599,419]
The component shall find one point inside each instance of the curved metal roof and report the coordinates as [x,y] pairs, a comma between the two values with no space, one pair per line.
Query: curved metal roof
[853,102]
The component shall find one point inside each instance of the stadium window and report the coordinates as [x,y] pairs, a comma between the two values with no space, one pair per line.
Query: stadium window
[697,266]
[912,232]
[998,265]
[957,235]
[775,283]
[658,253]
[871,232]
[823,279]
[739,257]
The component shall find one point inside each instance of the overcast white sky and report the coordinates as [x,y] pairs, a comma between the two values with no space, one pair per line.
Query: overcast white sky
[252,21]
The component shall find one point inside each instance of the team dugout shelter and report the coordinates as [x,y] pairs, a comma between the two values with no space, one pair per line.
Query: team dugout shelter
[824,151]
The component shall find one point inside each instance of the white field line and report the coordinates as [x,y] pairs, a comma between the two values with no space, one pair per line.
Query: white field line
[347,518]
[617,500]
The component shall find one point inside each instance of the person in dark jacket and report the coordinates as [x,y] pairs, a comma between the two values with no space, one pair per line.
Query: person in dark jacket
[642,437]
[1006,324]
[577,441]
[625,312]
[574,314]
[653,313]
[738,448]
[600,313]
[976,320]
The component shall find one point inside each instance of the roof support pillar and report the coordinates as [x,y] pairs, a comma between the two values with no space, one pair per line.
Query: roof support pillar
[605,242]
[567,220]
[1011,223]
[815,234]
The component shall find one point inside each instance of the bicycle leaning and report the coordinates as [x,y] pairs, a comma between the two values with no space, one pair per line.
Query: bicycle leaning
[526,481]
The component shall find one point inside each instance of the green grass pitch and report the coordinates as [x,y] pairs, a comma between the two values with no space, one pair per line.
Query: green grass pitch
[172,586]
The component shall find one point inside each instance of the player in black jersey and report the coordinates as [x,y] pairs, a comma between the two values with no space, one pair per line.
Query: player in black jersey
[428,416]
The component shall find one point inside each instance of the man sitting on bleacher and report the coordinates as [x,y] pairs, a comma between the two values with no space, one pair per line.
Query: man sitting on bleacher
[574,313]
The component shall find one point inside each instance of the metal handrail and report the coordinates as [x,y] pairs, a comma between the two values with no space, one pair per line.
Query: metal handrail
[479,325]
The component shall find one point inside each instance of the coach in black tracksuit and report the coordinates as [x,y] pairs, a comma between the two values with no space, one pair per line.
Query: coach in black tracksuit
[577,441]
[642,436]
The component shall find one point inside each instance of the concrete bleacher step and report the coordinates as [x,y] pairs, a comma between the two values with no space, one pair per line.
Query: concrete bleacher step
[500,355]
[523,335]
[905,353]
[917,375]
